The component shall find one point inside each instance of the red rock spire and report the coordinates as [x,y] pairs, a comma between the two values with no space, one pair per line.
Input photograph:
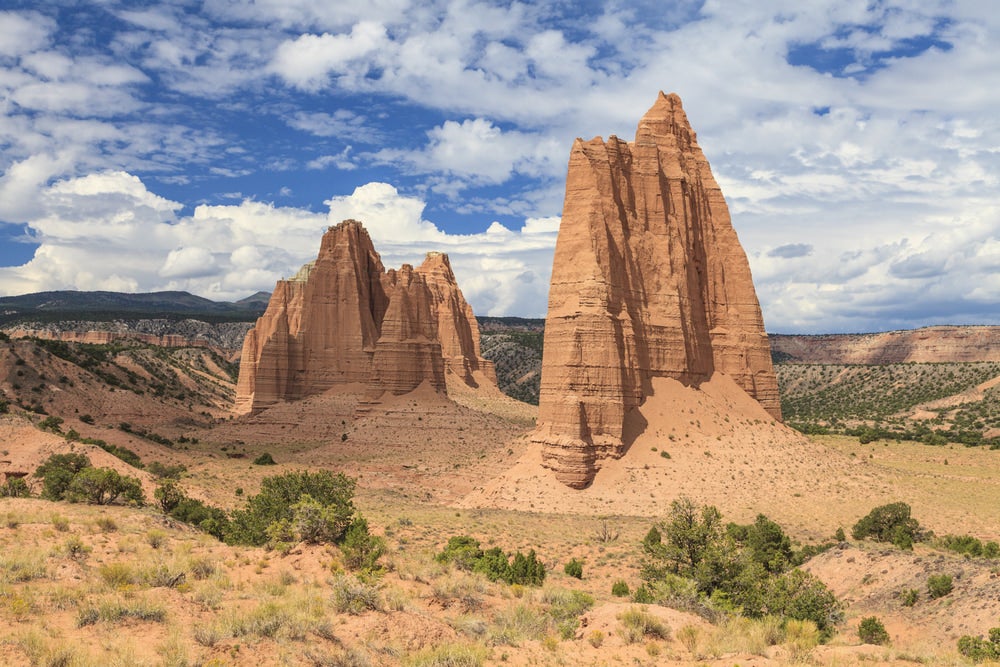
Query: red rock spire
[343,319]
[648,280]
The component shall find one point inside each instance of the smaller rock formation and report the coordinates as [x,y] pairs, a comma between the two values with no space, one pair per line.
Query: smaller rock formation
[648,281]
[344,319]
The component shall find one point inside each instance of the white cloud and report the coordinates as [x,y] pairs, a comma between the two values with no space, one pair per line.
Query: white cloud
[307,61]
[22,33]
[108,231]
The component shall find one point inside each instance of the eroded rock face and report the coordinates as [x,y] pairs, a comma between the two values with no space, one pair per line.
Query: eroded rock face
[648,280]
[345,319]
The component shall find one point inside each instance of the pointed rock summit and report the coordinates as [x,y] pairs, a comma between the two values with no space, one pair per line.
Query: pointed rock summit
[648,280]
[344,319]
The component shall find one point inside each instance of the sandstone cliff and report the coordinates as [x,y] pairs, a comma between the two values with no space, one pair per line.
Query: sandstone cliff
[648,280]
[926,345]
[344,319]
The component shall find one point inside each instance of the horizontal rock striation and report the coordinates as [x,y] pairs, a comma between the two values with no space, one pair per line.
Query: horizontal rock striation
[926,345]
[344,319]
[649,280]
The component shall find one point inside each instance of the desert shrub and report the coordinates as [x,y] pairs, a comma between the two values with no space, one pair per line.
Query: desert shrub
[638,624]
[210,519]
[168,495]
[872,631]
[462,551]
[265,459]
[978,649]
[51,424]
[968,545]
[102,486]
[494,563]
[766,542]
[162,470]
[278,497]
[87,419]
[939,585]
[692,564]
[684,539]
[889,523]
[123,453]
[15,487]
[565,608]
[353,596]
[574,568]
[909,597]
[57,473]
[620,589]
[527,569]
[361,549]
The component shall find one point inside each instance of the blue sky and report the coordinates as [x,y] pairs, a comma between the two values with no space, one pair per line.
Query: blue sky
[205,145]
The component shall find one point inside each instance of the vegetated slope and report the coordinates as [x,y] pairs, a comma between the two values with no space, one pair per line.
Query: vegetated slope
[934,402]
[125,381]
[514,345]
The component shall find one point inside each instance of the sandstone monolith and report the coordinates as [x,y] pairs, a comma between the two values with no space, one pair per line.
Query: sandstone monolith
[648,280]
[344,319]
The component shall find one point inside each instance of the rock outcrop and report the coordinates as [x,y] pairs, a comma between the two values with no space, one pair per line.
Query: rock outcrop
[649,280]
[935,344]
[344,319]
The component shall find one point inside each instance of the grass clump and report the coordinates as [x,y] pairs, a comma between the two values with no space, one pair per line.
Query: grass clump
[638,624]
[120,610]
[449,655]
[620,589]
[574,568]
[353,596]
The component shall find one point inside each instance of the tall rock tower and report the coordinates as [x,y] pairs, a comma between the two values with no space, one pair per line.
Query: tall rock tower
[344,319]
[648,280]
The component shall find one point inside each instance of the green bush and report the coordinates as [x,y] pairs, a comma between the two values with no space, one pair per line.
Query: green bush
[15,487]
[280,494]
[691,563]
[57,473]
[574,568]
[909,597]
[462,551]
[264,459]
[361,549]
[889,523]
[939,585]
[494,563]
[978,649]
[620,589]
[766,542]
[871,631]
[102,486]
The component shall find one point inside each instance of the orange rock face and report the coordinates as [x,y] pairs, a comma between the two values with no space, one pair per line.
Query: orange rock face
[648,280]
[344,319]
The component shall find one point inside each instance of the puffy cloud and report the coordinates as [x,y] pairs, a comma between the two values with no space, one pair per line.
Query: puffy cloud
[108,231]
[309,60]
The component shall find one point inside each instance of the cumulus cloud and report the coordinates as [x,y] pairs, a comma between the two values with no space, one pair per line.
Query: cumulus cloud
[108,231]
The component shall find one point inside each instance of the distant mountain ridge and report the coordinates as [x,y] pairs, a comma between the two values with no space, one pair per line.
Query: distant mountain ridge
[100,305]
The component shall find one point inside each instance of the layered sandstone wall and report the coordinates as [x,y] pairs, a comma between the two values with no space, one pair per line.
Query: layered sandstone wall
[648,280]
[344,319]
[925,345]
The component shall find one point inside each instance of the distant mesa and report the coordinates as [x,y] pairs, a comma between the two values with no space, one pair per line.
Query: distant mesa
[345,320]
[649,281]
